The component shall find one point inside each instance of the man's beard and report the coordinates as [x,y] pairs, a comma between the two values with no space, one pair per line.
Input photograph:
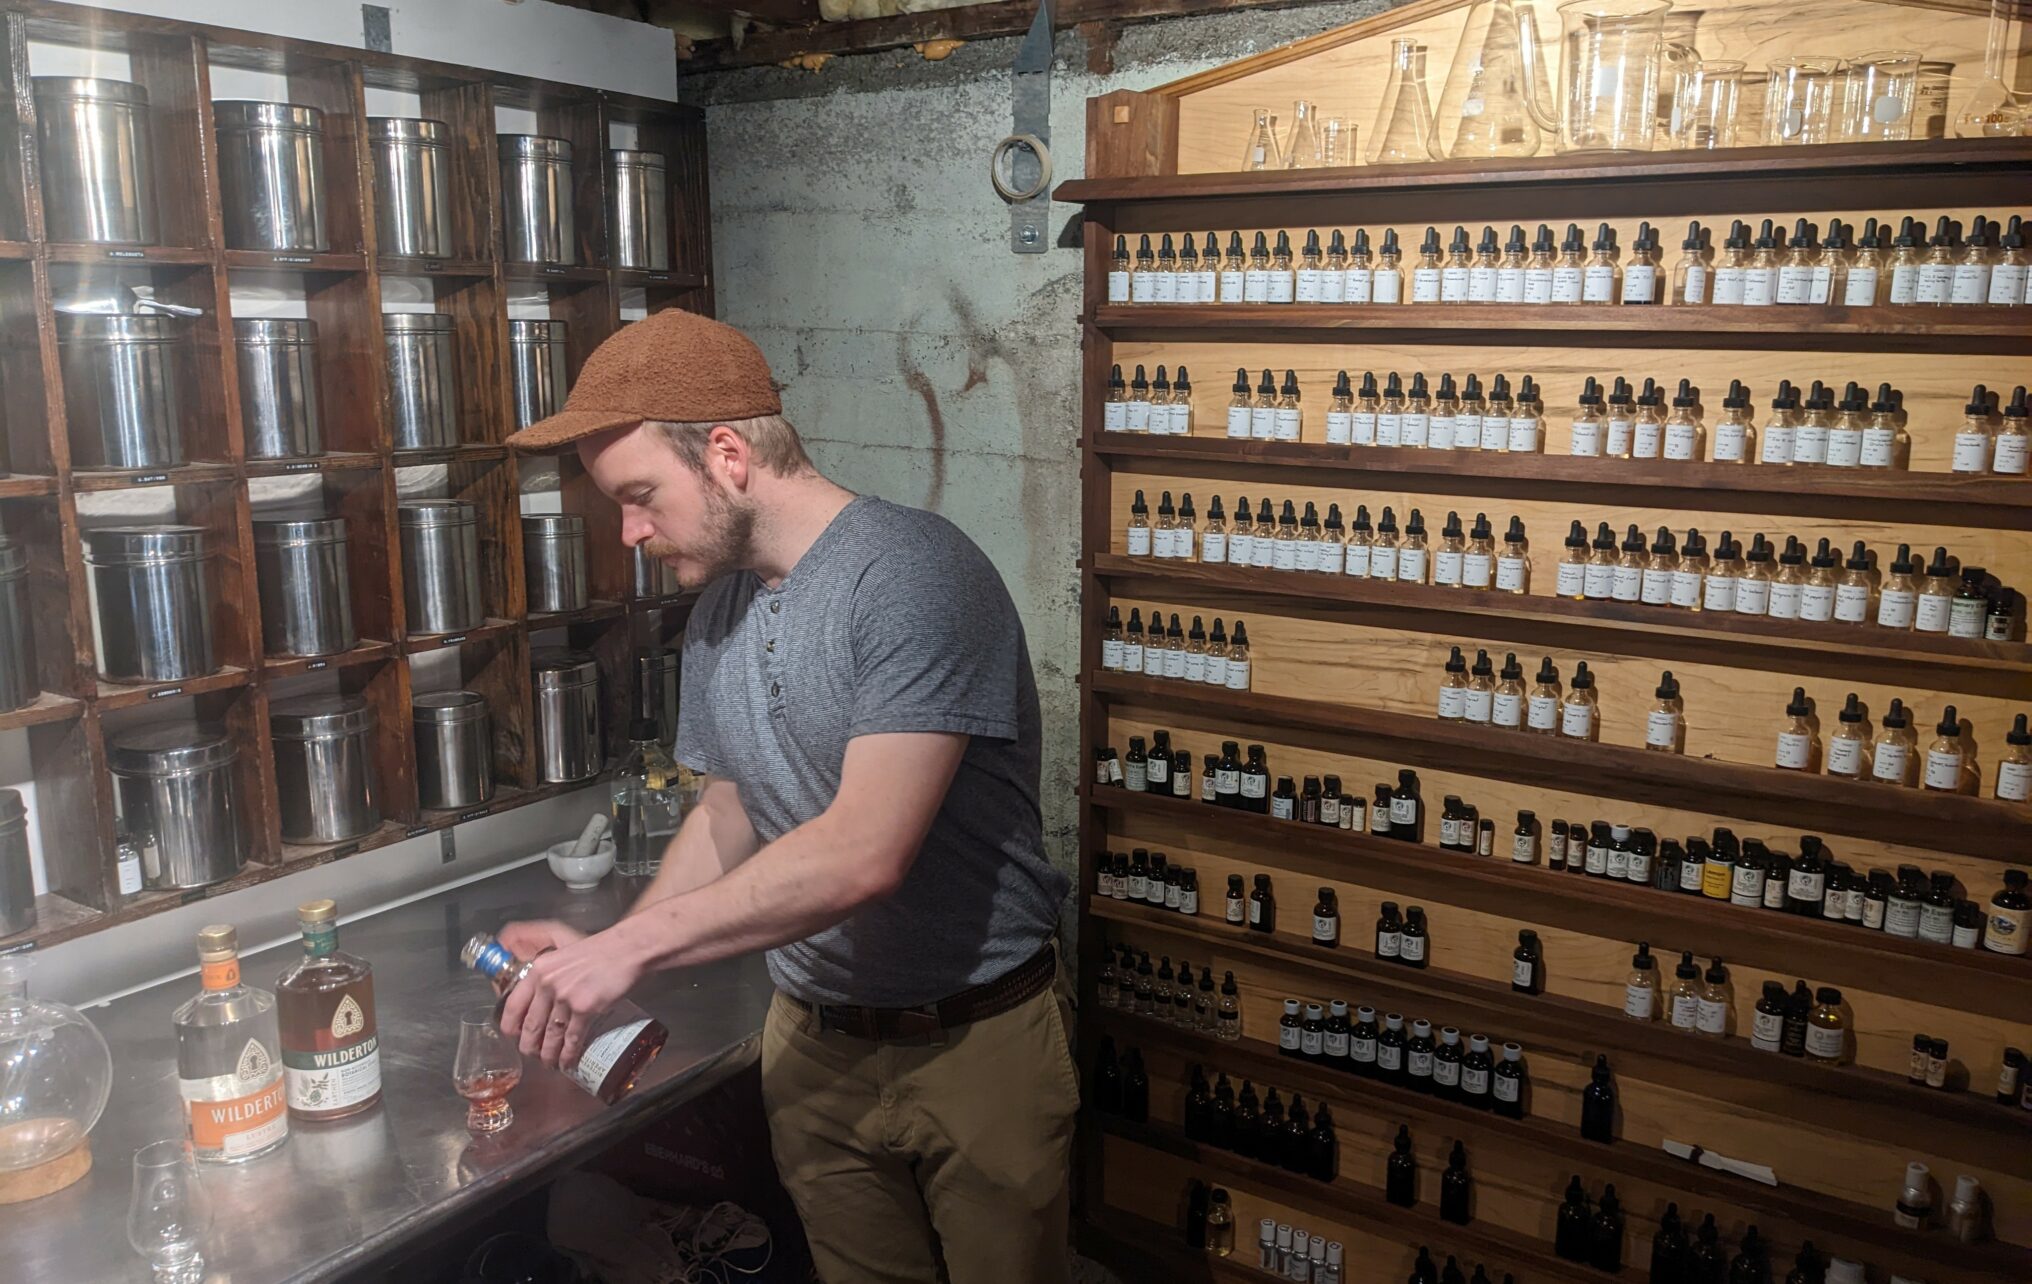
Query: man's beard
[727,544]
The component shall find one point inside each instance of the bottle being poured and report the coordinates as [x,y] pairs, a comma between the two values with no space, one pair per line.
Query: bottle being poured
[620,1043]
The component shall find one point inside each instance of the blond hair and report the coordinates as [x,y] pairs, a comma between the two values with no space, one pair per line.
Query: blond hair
[773,442]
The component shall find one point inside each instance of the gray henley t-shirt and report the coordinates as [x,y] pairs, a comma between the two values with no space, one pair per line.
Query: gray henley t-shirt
[892,621]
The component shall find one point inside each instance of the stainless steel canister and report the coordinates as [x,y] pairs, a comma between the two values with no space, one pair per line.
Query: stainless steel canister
[152,601]
[324,768]
[17,879]
[640,209]
[98,165]
[175,794]
[123,379]
[412,185]
[306,597]
[536,355]
[18,685]
[272,175]
[652,577]
[554,561]
[277,357]
[440,564]
[567,688]
[656,671]
[454,749]
[423,393]
[536,199]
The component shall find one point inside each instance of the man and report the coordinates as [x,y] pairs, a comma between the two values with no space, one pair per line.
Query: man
[857,692]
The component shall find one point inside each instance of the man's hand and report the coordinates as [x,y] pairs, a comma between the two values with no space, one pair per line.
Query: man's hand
[527,940]
[566,989]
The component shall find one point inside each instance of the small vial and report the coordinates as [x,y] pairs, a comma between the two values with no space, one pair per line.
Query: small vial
[1690,274]
[1567,273]
[1730,268]
[1580,710]
[1973,441]
[1798,742]
[1760,272]
[1735,433]
[1454,272]
[1482,274]
[1538,273]
[1233,273]
[1640,274]
[1600,276]
[1665,726]
[1425,276]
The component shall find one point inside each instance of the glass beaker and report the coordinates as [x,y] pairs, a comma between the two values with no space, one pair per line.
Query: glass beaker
[1609,81]
[1337,142]
[1261,151]
[1799,100]
[1878,94]
[1704,104]
[1403,129]
[1497,98]
[1302,145]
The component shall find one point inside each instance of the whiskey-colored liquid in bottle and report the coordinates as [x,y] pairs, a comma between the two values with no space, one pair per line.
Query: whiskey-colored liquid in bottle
[331,1045]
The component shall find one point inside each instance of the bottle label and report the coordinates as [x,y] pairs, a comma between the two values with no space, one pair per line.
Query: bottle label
[1861,290]
[1616,863]
[1753,596]
[1679,438]
[1416,428]
[1852,603]
[1280,285]
[1174,662]
[1307,285]
[1685,1011]
[1512,573]
[1719,593]
[1255,912]
[1766,1029]
[1685,591]
[1480,704]
[1644,443]
[1389,1058]
[2011,454]
[1936,923]
[1474,1080]
[1420,1061]
[1795,750]
[1538,285]
[1482,284]
[1165,288]
[1495,434]
[1542,712]
[1656,587]
[1712,1017]
[1118,287]
[1446,1072]
[1284,555]
[1339,427]
[1403,811]
[1932,613]
[1233,288]
[1844,448]
[1333,286]
[1824,1043]
[1357,285]
[1971,284]
[1456,285]
[130,874]
[1640,283]
[1390,428]
[1256,286]
[1760,287]
[1806,887]
[1691,873]
[1627,585]
[1382,563]
[1971,452]
[1144,287]
[2007,283]
[1661,729]
[1467,431]
[1891,762]
[1280,808]
[1241,548]
[344,1074]
[1507,709]
[1597,580]
[1362,1048]
[1965,618]
[1235,914]
[1203,286]
[1425,285]
[1844,757]
[1453,703]
[2006,933]
[2014,781]
[1598,283]
[1139,541]
[1330,552]
[1520,973]
[1695,290]
[1286,424]
[1729,440]
[1261,550]
[1334,1044]
[1786,600]
[1446,568]
[1325,928]
[1637,1001]
[1640,866]
[1566,284]
[1896,609]
[1728,285]
[1132,657]
[1255,784]
[1570,580]
[1576,720]
[1310,1043]
[1795,283]
[1287,1036]
[244,1124]
[1943,770]
[1449,831]
[1778,443]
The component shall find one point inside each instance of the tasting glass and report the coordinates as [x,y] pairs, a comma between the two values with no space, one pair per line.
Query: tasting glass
[168,1214]
[1878,95]
[485,1071]
[1704,98]
[1799,101]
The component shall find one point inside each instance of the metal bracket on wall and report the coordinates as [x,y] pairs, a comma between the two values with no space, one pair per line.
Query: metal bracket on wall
[1027,149]
[447,846]
[374,33]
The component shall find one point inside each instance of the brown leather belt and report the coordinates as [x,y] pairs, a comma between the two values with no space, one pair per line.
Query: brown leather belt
[991,998]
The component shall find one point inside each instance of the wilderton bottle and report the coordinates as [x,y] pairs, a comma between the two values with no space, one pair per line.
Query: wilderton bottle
[229,1068]
[621,1042]
[331,1048]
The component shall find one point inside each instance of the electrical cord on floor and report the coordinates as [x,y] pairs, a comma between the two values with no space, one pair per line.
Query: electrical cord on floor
[704,1241]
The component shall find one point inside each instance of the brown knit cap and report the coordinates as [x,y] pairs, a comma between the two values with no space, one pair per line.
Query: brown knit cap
[673,366]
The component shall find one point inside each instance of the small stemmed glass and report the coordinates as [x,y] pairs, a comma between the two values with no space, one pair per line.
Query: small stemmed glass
[169,1213]
[485,1071]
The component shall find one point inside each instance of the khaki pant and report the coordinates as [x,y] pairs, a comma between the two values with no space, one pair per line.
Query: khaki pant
[903,1154]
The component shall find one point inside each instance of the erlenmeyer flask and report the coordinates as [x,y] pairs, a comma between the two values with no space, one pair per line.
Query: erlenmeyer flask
[1995,110]
[1302,146]
[1496,101]
[1261,151]
[1403,130]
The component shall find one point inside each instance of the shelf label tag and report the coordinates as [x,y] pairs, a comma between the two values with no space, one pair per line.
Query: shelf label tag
[416,831]
[22,947]
[149,479]
[314,665]
[165,693]
[451,639]
[474,814]
[292,258]
[126,254]
[304,466]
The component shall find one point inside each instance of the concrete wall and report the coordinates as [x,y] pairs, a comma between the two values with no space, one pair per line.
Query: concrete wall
[856,237]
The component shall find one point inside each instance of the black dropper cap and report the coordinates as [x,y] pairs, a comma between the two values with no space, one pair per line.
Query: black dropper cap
[1582,679]
[1452,527]
[1799,706]
[1241,382]
[1871,237]
[1262,246]
[1687,970]
[1716,973]
[1574,241]
[1548,673]
[1182,384]
[1824,557]
[1115,378]
[1341,387]
[1739,396]
[1662,543]
[1389,246]
[1739,236]
[1141,383]
[1514,672]
[1543,242]
[1886,401]
[1668,686]
[1263,517]
[1693,545]
[1162,383]
[1837,235]
[1290,385]
[1978,402]
[1214,511]
[1642,961]
[1460,241]
[1647,238]
[1284,243]
[1393,386]
[2014,233]
[1499,391]
[1481,529]
[1527,391]
[1267,386]
[1859,557]
[1431,243]
[1802,235]
[1416,524]
[1489,244]
[1361,522]
[2019,734]
[1909,233]
[1446,391]
[1139,505]
[1605,238]
[1687,397]
[1388,522]
[1234,244]
[1456,662]
[1943,231]
[1368,383]
[1853,400]
[1576,535]
[1787,398]
[1633,539]
[1336,244]
[1144,254]
[2016,408]
[1941,565]
[1418,391]
[1794,554]
[1903,564]
[1950,725]
[1289,517]
[1186,253]
[1767,239]
[1516,241]
[1652,395]
[1620,393]
[1167,250]
[1122,248]
[1472,389]
[1694,236]
[1312,241]
[1591,393]
[1334,524]
[1851,710]
[1605,539]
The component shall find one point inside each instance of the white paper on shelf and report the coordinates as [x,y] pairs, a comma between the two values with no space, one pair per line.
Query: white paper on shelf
[1708,1159]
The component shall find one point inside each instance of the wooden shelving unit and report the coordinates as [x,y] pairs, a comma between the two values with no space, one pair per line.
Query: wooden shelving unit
[1838,1136]
[70,725]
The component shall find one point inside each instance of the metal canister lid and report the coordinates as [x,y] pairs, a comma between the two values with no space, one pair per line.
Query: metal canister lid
[554,525]
[556,669]
[442,708]
[534,147]
[636,160]
[88,87]
[537,332]
[253,114]
[13,812]
[13,559]
[408,129]
[436,512]
[120,327]
[145,545]
[274,332]
[293,532]
[416,323]
[218,943]
[325,717]
[324,910]
[177,750]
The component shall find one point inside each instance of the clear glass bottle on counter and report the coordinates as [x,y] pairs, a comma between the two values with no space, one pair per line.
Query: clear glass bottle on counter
[645,802]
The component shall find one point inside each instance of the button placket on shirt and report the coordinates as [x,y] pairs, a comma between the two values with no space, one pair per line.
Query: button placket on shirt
[771,663]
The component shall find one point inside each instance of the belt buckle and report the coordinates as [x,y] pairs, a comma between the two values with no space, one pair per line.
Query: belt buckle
[921,1022]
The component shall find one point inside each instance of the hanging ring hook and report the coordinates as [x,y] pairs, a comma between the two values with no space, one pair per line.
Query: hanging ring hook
[1003,149]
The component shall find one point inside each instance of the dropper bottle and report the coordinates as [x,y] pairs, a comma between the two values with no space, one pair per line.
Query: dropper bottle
[1599,277]
[1816,603]
[1333,273]
[1627,585]
[1305,286]
[1782,428]
[1467,424]
[1567,273]
[1809,439]
[1892,757]
[1446,559]
[1496,418]
[1735,433]
[1538,273]
[1118,272]
[1855,587]
[1903,263]
[1724,573]
[1946,760]
[1143,286]
[1622,420]
[1340,416]
[1659,570]
[2009,273]
[1256,281]
[1282,287]
[1425,274]
[1234,271]
[1506,707]
[1488,262]
[1689,275]
[1286,425]
[1383,553]
[1527,420]
[1440,428]
[1647,435]
[2014,435]
[1139,402]
[1733,264]
[1284,550]
[1541,705]
[1640,274]
[1165,288]
[1753,585]
[1360,545]
[1412,558]
[1788,583]
[1333,543]
[1863,283]
[1936,270]
[1898,599]
[1263,410]
[1760,274]
[1570,578]
[1513,563]
[1935,609]
[1115,409]
[1390,416]
[1689,575]
[1885,441]
[1584,438]
[1848,749]
[1971,282]
[1453,688]
[1478,559]
[1600,581]
[1830,266]
[1240,410]
[1798,741]
[1665,726]
[1580,711]
[1455,273]
[1417,423]
[1510,272]
[1388,284]
[1973,442]
[1795,274]
[1845,436]
[1685,438]
[1362,425]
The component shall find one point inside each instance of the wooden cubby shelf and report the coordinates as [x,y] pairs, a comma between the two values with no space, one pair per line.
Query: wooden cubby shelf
[1140,1249]
[1980,827]
[1576,1031]
[1995,984]
[1981,329]
[1837,650]
[69,727]
[1834,1225]
[1805,490]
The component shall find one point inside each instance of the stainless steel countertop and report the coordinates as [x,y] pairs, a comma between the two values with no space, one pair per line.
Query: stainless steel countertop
[345,1194]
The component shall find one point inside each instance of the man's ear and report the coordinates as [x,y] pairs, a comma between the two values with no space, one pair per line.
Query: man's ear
[729,454]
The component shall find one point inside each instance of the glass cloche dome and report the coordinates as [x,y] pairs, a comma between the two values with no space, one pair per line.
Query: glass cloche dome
[55,1073]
